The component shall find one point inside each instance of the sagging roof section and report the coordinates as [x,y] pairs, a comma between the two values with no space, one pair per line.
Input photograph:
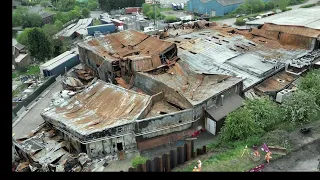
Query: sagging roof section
[126,43]
[194,87]
[99,107]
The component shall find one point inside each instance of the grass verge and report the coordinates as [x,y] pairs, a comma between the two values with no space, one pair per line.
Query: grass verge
[30,71]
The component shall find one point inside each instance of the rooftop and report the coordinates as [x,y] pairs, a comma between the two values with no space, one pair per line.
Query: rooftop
[303,17]
[125,43]
[99,107]
[58,59]
[213,51]
[20,57]
[194,87]
[71,29]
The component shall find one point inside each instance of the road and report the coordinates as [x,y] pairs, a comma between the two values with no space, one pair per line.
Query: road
[231,21]
[95,14]
[306,159]
[33,118]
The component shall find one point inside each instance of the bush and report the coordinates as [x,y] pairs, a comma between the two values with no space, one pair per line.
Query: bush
[300,108]
[240,22]
[85,13]
[170,19]
[307,6]
[286,9]
[138,160]
[239,125]
[266,113]
[311,83]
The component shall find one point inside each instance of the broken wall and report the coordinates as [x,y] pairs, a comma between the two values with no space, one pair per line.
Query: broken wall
[297,40]
[151,86]
[165,124]
[111,146]
[273,35]
[157,97]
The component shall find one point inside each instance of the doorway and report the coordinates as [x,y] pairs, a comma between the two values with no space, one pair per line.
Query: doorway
[211,126]
[119,146]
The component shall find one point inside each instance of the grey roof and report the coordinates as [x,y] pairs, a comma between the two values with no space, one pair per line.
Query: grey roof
[45,14]
[66,56]
[229,2]
[305,17]
[229,104]
[19,46]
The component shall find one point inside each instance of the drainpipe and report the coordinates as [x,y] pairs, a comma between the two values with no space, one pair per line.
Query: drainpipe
[222,96]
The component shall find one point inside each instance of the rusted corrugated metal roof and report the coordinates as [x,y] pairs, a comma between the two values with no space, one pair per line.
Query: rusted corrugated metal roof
[153,45]
[277,82]
[195,87]
[99,107]
[303,31]
[130,37]
[144,63]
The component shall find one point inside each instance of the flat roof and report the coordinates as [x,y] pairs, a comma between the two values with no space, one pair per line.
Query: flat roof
[305,17]
[212,51]
[62,60]
[20,57]
[58,58]
[99,107]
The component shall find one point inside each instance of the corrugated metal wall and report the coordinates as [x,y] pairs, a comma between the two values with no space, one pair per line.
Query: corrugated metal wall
[296,40]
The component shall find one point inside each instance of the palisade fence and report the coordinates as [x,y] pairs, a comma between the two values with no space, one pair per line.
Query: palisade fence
[169,161]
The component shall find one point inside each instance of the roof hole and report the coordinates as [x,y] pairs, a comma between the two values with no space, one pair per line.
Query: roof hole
[225,41]
[218,43]
[177,41]
[187,38]
[192,52]
[221,35]
[252,44]
[182,48]
[215,37]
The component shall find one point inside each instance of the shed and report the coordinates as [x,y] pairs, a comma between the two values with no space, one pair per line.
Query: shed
[56,66]
[104,28]
[213,7]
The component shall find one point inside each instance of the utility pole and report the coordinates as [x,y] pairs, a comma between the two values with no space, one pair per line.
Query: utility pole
[154,11]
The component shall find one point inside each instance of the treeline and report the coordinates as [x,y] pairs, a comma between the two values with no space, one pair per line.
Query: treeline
[107,5]
[256,6]
[263,115]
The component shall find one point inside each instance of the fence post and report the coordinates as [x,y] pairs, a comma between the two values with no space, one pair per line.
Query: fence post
[188,152]
[204,149]
[173,159]
[148,165]
[164,163]
[131,169]
[156,164]
[144,169]
[185,149]
[160,165]
[139,168]
[152,166]
[192,149]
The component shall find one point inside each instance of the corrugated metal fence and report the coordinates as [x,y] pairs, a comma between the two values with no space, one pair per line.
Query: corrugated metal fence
[167,162]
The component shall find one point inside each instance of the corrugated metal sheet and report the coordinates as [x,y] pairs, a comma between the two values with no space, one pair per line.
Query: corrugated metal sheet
[145,63]
[303,31]
[276,83]
[195,87]
[99,107]
[153,45]
[265,33]
[296,40]
[130,37]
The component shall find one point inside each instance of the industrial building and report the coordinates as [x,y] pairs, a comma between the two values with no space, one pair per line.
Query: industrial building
[60,64]
[213,7]
[158,98]
[76,29]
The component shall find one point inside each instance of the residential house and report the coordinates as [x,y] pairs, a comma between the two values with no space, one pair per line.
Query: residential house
[47,17]
[20,57]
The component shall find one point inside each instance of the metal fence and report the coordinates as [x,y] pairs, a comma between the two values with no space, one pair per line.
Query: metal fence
[167,162]
[33,96]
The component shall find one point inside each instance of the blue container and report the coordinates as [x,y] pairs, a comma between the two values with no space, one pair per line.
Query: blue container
[104,28]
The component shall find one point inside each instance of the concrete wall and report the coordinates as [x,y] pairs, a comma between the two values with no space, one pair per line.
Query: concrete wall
[110,146]
[151,86]
[160,125]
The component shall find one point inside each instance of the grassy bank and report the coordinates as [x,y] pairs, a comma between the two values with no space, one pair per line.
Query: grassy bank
[30,71]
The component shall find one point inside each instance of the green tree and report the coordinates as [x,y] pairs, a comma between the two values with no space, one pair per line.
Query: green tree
[73,14]
[39,45]
[85,13]
[311,83]
[146,8]
[62,17]
[65,5]
[138,160]
[239,125]
[281,4]
[57,47]
[32,20]
[44,3]
[300,108]
[50,30]
[92,5]
[266,113]
[139,3]
[23,37]
[17,16]
[105,5]
[58,24]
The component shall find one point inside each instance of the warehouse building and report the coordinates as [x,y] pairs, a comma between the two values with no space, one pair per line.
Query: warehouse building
[157,99]
[213,7]
[299,27]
